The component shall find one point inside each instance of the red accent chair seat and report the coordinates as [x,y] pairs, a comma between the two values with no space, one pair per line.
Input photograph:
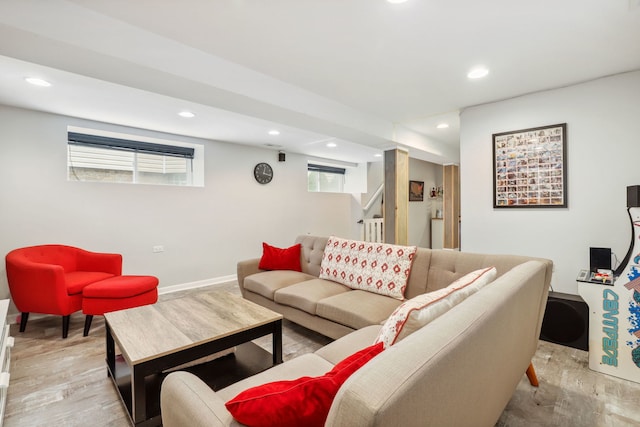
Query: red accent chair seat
[117,293]
[49,279]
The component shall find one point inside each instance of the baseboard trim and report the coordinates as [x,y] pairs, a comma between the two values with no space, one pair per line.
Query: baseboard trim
[162,290]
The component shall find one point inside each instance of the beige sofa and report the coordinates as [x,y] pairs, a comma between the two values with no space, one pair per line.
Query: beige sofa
[335,310]
[459,370]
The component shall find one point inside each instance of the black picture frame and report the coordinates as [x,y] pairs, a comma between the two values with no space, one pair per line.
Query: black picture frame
[416,191]
[530,168]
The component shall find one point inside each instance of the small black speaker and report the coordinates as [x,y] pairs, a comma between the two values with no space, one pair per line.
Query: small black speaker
[566,321]
[281,156]
[633,196]
[599,258]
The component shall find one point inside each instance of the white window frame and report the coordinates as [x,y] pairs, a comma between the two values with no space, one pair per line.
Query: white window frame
[323,170]
[192,153]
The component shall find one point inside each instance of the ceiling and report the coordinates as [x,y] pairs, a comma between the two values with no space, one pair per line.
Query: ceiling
[366,75]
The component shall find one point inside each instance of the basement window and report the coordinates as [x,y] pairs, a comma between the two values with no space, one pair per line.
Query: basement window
[107,159]
[321,178]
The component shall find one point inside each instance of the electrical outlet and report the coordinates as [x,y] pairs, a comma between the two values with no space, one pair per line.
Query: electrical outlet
[158,249]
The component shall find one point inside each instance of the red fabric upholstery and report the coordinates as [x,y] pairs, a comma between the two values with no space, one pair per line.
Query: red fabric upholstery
[100,306]
[117,293]
[280,259]
[121,287]
[38,276]
[77,280]
[302,402]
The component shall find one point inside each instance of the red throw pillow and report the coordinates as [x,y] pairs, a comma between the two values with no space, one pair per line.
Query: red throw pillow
[280,259]
[301,402]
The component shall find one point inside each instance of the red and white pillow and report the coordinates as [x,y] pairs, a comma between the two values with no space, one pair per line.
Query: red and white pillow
[415,313]
[375,267]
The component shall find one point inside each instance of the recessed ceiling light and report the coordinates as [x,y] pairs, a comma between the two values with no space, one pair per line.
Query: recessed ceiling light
[38,82]
[377,155]
[187,114]
[274,132]
[332,145]
[443,125]
[478,72]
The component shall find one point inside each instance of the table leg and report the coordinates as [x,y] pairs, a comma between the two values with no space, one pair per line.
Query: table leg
[111,352]
[138,395]
[277,342]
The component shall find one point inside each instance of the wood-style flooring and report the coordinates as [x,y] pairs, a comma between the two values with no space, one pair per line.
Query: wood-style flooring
[56,382]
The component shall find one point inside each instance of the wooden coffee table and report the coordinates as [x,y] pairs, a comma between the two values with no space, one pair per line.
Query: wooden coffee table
[155,338]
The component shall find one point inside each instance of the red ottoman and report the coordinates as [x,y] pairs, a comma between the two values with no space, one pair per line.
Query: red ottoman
[117,293]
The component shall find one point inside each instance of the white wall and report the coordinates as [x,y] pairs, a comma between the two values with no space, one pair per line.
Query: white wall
[375,178]
[204,231]
[420,213]
[603,151]
[355,179]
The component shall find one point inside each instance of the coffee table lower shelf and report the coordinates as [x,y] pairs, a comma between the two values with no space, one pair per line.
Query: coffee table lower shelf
[247,360]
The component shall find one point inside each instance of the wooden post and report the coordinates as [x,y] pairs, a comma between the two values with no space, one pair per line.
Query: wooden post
[451,208]
[396,196]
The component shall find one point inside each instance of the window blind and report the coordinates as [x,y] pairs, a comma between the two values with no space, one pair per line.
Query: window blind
[327,169]
[86,140]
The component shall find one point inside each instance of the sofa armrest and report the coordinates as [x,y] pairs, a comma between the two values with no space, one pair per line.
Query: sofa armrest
[247,268]
[185,400]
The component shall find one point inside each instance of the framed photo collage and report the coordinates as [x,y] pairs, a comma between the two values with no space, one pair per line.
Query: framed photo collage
[530,168]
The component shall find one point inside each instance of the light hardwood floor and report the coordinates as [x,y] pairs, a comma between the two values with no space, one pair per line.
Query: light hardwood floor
[56,382]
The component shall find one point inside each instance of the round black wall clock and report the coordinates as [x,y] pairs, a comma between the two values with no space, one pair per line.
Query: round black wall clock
[263,173]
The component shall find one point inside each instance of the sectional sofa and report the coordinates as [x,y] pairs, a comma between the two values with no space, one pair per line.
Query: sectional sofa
[459,369]
[335,310]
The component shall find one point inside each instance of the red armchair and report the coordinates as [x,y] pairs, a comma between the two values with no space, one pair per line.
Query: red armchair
[49,279]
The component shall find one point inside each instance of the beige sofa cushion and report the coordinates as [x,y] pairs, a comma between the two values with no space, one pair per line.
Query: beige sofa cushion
[267,282]
[337,350]
[205,408]
[357,308]
[305,295]
[311,254]
[309,364]
[447,266]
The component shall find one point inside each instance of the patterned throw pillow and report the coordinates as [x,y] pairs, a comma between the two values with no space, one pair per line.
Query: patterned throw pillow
[415,313]
[375,267]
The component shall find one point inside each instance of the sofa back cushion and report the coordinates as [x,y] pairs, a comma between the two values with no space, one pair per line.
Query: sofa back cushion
[417,283]
[435,269]
[431,269]
[64,256]
[312,249]
[380,268]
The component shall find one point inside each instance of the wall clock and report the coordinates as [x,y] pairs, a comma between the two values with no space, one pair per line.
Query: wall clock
[263,173]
